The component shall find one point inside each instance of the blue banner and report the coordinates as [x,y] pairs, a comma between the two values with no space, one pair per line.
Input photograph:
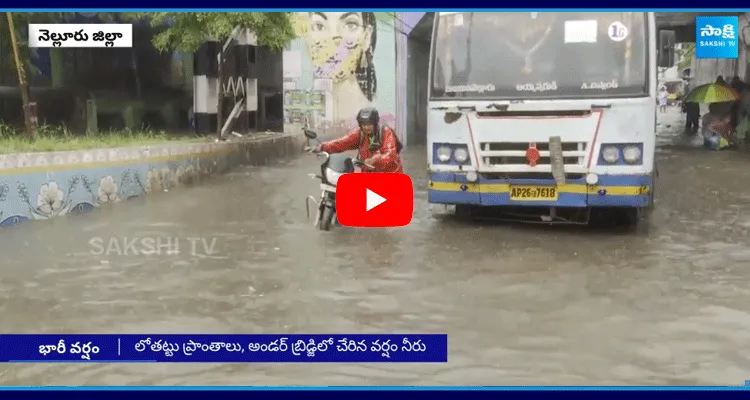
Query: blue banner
[412,348]
[386,5]
[379,393]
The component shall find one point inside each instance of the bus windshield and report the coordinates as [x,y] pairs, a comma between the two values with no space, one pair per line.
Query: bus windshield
[539,55]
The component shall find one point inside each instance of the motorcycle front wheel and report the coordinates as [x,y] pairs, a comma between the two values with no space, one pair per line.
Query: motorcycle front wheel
[326,218]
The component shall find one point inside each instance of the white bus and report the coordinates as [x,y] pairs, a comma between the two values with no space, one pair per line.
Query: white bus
[548,115]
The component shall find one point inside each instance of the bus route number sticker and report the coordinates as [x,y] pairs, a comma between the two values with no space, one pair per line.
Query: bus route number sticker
[617,31]
[580,31]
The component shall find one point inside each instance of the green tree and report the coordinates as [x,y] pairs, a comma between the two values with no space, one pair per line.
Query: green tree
[180,31]
[686,56]
[187,31]
[22,21]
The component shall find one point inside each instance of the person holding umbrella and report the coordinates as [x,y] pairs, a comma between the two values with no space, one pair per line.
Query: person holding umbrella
[716,125]
[691,109]
[692,112]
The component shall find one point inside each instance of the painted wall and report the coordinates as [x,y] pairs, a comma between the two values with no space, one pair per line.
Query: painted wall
[340,63]
[39,186]
[413,47]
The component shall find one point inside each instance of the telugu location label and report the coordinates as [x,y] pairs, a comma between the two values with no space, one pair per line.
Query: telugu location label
[80,35]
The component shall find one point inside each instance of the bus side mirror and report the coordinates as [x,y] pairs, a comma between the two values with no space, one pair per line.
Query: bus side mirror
[666,54]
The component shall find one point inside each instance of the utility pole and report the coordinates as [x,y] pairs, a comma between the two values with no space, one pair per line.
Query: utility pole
[29,108]
[220,93]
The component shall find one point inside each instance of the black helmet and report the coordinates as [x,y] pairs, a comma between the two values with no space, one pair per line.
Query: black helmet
[368,114]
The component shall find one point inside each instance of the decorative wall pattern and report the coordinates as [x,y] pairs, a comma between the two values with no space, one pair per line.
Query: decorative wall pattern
[340,63]
[37,186]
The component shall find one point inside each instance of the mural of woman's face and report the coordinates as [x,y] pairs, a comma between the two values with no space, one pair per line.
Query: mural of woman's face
[337,41]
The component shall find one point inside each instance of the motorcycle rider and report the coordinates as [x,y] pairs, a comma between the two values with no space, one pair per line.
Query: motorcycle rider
[376,146]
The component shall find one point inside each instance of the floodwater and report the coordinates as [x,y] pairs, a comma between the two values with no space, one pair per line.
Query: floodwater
[667,305]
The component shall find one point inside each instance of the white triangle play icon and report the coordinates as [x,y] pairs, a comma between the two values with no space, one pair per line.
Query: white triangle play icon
[373,200]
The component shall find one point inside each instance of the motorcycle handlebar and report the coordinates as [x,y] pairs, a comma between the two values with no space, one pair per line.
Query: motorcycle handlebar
[362,163]
[319,153]
[354,161]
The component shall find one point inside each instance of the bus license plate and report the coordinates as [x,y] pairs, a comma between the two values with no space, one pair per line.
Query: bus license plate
[533,193]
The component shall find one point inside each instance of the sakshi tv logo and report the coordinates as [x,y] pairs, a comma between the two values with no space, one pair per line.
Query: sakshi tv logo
[716,37]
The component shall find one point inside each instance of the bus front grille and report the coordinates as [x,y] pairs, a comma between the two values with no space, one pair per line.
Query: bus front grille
[507,154]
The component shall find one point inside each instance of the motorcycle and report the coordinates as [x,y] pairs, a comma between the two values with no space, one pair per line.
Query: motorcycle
[332,168]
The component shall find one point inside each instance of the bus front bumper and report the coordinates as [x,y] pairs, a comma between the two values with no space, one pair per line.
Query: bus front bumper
[610,191]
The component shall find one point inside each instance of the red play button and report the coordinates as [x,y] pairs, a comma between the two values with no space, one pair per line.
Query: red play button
[374,200]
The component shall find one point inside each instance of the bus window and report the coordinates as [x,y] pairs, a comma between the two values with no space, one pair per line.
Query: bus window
[540,55]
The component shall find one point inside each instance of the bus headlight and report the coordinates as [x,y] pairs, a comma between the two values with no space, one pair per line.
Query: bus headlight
[631,154]
[444,153]
[460,155]
[610,154]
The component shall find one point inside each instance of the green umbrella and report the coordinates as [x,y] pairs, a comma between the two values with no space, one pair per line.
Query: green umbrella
[712,93]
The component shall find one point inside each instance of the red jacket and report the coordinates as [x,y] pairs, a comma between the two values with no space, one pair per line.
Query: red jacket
[386,159]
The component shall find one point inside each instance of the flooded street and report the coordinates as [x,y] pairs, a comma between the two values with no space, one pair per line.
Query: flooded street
[667,305]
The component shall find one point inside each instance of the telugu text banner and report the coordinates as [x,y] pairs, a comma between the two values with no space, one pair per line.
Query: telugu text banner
[80,35]
[416,348]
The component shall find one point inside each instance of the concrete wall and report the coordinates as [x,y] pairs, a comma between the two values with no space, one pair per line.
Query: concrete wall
[36,186]
[270,68]
[336,67]
[239,75]
[270,89]
[418,67]
[402,82]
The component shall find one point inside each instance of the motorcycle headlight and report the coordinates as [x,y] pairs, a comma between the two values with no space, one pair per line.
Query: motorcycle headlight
[460,155]
[610,154]
[444,153]
[332,176]
[631,154]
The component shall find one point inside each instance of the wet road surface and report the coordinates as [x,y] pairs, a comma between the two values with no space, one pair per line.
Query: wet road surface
[667,305]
